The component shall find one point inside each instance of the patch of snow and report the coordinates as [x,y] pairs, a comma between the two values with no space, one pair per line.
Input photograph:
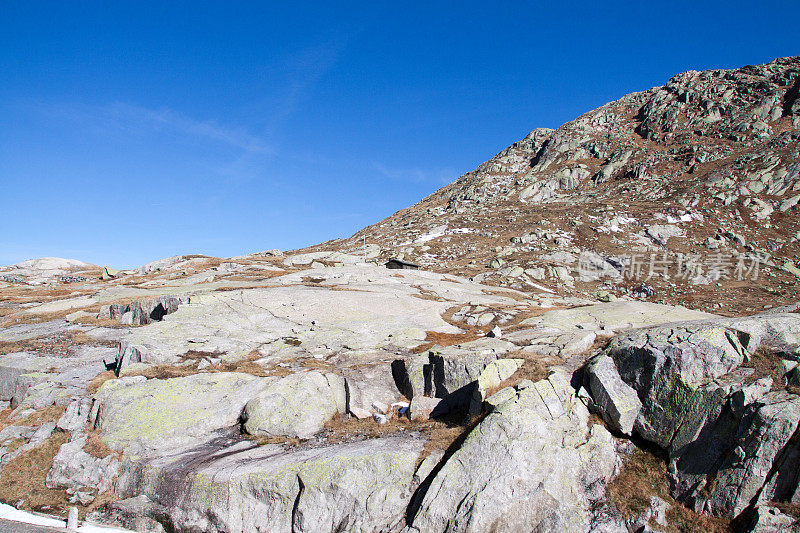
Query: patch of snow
[614,225]
[8,512]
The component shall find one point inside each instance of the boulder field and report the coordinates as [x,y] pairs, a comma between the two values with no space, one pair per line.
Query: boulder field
[356,398]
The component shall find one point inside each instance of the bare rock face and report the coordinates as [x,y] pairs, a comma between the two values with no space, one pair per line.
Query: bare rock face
[144,417]
[616,400]
[731,441]
[81,473]
[362,486]
[295,406]
[545,468]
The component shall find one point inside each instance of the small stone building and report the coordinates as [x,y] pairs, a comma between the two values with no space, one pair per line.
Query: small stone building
[397,263]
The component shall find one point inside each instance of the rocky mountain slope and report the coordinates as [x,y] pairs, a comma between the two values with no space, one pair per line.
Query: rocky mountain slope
[691,189]
[537,374]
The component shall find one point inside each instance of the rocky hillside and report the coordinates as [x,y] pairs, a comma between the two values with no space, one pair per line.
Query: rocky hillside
[690,189]
[537,374]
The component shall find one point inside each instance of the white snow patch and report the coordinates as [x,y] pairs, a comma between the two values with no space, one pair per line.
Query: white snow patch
[8,512]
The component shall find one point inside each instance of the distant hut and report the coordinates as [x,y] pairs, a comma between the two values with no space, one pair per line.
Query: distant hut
[397,263]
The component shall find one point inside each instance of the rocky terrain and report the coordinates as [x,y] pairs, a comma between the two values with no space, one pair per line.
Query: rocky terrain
[603,336]
[690,189]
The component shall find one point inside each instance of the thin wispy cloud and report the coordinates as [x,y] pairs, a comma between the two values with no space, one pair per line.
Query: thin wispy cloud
[169,119]
[125,116]
[299,73]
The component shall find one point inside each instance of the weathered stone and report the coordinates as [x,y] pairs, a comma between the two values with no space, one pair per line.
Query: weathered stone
[168,414]
[360,486]
[423,407]
[616,400]
[295,406]
[73,468]
[767,519]
[666,365]
[491,377]
[547,468]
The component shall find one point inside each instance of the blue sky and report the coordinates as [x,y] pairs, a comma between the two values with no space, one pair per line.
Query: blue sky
[131,131]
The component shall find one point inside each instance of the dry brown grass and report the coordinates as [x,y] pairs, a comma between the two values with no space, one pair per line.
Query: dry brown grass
[253,277]
[167,371]
[260,440]
[96,446]
[95,384]
[94,320]
[436,338]
[764,361]
[22,479]
[37,418]
[440,435]
[643,475]
[792,509]
[427,294]
[22,482]
[25,317]
[468,333]
[49,414]
[164,371]
[531,369]
[60,344]
[519,297]
[600,343]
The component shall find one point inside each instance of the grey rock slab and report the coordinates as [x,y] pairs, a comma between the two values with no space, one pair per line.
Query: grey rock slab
[76,415]
[295,406]
[614,316]
[359,486]
[546,468]
[616,400]
[141,417]
[384,313]
[424,407]
[73,468]
[369,383]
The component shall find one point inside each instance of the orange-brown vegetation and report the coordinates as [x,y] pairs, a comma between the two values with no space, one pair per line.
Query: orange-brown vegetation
[643,475]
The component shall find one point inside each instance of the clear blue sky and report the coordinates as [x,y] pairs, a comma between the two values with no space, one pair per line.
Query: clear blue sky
[131,131]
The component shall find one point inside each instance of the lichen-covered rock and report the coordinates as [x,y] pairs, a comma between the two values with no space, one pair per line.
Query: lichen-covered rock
[730,441]
[359,486]
[616,400]
[139,416]
[533,464]
[74,469]
[667,364]
[492,375]
[450,372]
[295,406]
[741,460]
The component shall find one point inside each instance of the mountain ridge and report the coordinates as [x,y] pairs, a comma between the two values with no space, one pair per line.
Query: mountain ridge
[717,145]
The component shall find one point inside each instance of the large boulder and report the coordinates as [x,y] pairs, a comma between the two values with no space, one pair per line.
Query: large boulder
[139,416]
[740,460]
[358,486]
[731,441]
[616,400]
[296,406]
[533,464]
[667,364]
